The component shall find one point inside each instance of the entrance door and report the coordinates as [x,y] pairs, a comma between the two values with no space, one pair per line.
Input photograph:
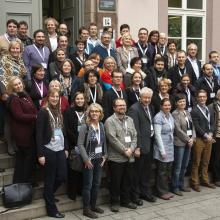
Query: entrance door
[27,10]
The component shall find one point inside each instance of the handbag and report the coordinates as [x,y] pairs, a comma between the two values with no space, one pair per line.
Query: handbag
[75,161]
[16,195]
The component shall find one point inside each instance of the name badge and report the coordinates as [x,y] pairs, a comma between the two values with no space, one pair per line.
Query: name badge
[128,70]
[144,59]
[57,134]
[189,109]
[189,132]
[212,95]
[151,127]
[98,150]
[128,139]
[44,65]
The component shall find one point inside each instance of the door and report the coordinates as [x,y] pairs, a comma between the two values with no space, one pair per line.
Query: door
[27,10]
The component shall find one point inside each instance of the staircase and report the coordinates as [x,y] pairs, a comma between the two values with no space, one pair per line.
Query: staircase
[37,208]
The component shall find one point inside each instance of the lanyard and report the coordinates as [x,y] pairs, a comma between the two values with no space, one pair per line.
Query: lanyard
[211,85]
[97,134]
[40,88]
[80,61]
[6,37]
[207,117]
[187,120]
[87,48]
[155,46]
[93,97]
[141,49]
[137,97]
[188,96]
[117,93]
[180,71]
[148,112]
[78,116]
[42,56]
[51,115]
[173,59]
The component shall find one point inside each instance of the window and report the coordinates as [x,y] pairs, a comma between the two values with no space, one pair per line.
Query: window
[186,24]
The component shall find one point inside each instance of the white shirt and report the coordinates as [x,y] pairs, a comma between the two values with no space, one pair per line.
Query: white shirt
[195,66]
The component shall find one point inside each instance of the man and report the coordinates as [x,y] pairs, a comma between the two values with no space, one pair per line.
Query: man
[122,141]
[84,35]
[208,82]
[176,72]
[145,50]
[193,63]
[124,28]
[22,33]
[155,73]
[142,113]
[214,60]
[93,34]
[162,48]
[203,121]
[36,53]
[10,35]
[63,29]
[113,93]
[104,49]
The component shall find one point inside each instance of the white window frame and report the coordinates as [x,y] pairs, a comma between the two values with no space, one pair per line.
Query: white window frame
[184,12]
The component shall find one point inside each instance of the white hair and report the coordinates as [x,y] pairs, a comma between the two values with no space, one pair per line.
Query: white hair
[146,90]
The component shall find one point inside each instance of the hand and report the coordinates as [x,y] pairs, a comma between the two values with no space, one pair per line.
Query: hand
[164,156]
[128,152]
[137,152]
[41,161]
[209,138]
[88,164]
[103,161]
[4,97]
[213,140]
[190,142]
[66,153]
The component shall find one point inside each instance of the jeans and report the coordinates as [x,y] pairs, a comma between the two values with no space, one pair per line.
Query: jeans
[181,160]
[91,183]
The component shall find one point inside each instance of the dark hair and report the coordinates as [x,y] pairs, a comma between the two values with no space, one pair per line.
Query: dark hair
[132,76]
[11,21]
[152,33]
[22,23]
[164,100]
[134,60]
[92,24]
[179,96]
[82,28]
[80,41]
[143,28]
[61,35]
[181,51]
[116,71]
[117,99]
[159,59]
[38,31]
[212,52]
[123,26]
[204,65]
[87,73]
[71,64]
[200,91]
[35,68]
[73,98]
[185,75]
[94,55]
[171,41]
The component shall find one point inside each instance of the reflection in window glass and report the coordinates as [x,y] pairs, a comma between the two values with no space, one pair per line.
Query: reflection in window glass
[175,3]
[178,42]
[199,45]
[194,4]
[174,26]
[194,26]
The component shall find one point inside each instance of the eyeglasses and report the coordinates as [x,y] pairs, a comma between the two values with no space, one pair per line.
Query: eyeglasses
[94,111]
[120,105]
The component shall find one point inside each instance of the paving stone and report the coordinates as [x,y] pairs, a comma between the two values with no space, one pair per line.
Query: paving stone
[164,212]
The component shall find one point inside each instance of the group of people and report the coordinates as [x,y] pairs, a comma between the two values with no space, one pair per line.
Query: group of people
[121,105]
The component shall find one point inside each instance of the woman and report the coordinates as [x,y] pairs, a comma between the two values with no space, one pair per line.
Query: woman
[91,87]
[185,88]
[11,64]
[51,151]
[164,87]
[133,92]
[79,57]
[153,39]
[125,53]
[163,148]
[106,78]
[51,25]
[172,54]
[55,67]
[74,118]
[38,88]
[22,115]
[93,149]
[64,104]
[184,136]
[136,65]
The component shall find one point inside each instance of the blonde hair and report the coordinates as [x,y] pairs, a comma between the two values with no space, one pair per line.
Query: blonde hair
[15,42]
[108,58]
[51,19]
[94,105]
[165,81]
[126,35]
[55,81]
[51,92]
[10,85]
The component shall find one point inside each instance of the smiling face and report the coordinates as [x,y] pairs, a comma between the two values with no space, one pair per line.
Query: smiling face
[66,68]
[94,114]
[39,74]
[54,99]
[22,30]
[17,86]
[185,81]
[164,88]
[60,55]
[126,40]
[51,27]
[120,107]
[145,99]
[136,79]
[109,64]
[181,104]
[15,50]
[202,98]
[166,107]
[63,42]
[12,29]
[79,100]
[92,79]
[40,38]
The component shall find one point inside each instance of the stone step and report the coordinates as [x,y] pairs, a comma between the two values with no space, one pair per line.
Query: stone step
[3,147]
[37,208]
[6,177]
[6,161]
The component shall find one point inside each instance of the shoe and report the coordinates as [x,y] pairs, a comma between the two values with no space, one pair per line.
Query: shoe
[138,202]
[149,198]
[130,205]
[185,189]
[217,183]
[89,213]
[56,200]
[2,170]
[115,208]
[177,192]
[209,185]
[98,210]
[12,154]
[72,197]
[196,188]
[57,215]
[166,196]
